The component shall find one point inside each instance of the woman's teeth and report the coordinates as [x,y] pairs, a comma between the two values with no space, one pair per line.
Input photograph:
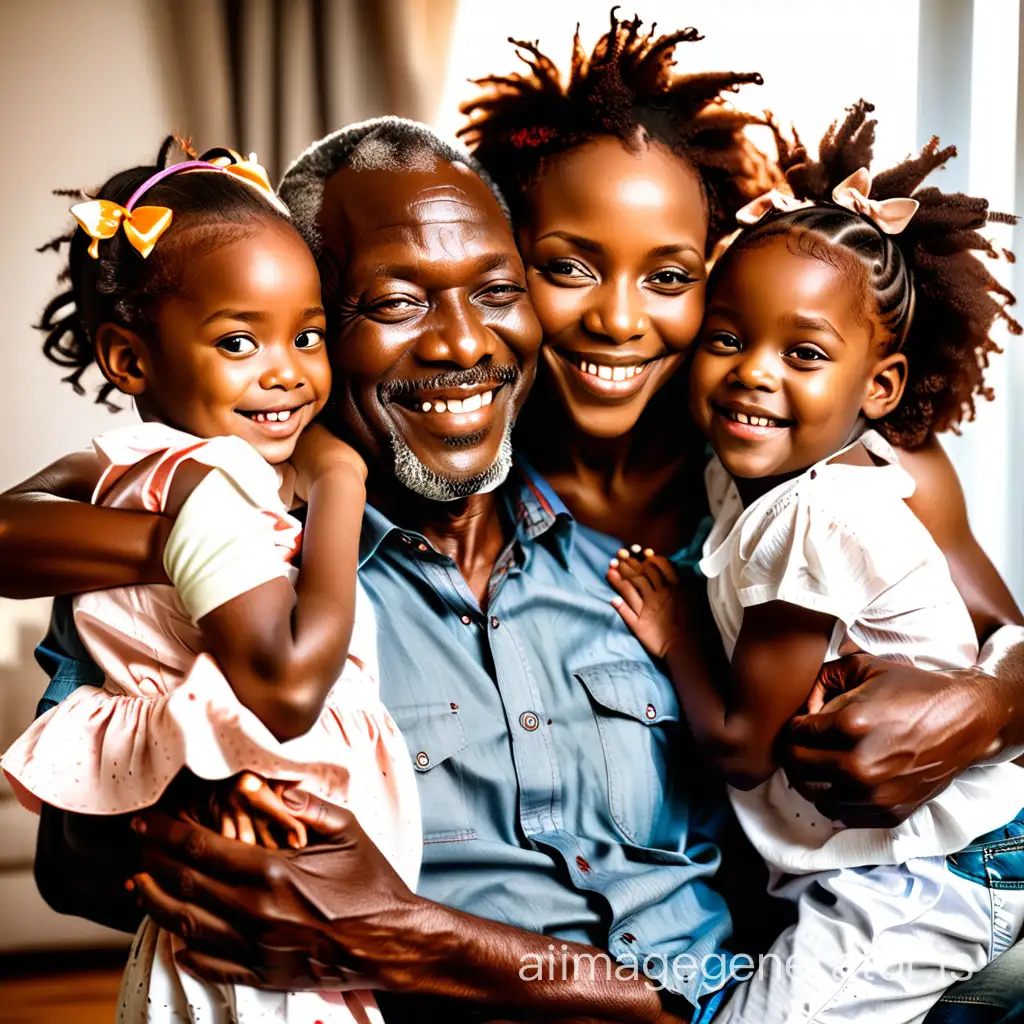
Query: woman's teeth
[608,372]
[459,405]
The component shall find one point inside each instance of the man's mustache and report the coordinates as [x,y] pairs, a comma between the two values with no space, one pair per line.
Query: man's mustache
[482,373]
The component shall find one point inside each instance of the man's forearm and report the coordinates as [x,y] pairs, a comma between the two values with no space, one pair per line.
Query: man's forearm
[436,951]
[49,546]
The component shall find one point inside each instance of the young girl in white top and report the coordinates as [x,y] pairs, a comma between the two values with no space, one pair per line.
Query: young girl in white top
[199,299]
[845,318]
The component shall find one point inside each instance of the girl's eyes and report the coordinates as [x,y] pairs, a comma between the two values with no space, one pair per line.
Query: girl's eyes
[309,339]
[808,353]
[237,345]
[722,341]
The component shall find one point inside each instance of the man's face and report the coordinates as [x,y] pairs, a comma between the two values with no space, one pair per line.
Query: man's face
[433,339]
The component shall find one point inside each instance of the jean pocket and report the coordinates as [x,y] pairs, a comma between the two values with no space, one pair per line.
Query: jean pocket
[996,859]
[434,736]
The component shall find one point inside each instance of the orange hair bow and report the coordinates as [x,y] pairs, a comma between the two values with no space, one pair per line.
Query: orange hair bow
[143,225]
[100,219]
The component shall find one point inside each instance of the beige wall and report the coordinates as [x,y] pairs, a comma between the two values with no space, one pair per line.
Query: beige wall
[84,93]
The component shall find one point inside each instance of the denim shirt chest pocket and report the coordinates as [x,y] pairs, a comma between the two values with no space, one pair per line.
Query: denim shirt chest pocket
[637,719]
[434,735]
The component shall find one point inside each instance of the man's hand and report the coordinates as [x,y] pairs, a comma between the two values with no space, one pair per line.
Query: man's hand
[882,738]
[275,918]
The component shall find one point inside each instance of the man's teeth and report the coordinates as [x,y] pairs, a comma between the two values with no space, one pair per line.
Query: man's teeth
[610,372]
[459,405]
[272,417]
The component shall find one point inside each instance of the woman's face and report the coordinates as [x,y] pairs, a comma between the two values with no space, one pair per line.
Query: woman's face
[614,250]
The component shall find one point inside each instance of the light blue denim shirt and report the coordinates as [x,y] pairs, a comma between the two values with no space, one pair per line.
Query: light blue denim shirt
[548,748]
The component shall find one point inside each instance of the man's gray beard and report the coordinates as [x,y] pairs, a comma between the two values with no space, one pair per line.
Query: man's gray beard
[420,479]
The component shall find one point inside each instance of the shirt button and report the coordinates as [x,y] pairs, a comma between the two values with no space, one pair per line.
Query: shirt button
[422,759]
[582,864]
[529,721]
[628,937]
[466,620]
[421,546]
[454,706]
[651,712]
[494,622]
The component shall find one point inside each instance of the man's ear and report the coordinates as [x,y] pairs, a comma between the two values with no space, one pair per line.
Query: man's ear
[886,387]
[123,357]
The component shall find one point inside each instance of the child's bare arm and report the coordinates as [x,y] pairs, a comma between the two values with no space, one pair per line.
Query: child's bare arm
[735,712]
[283,647]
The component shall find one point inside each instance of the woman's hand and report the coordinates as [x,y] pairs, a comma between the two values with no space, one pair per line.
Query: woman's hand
[883,738]
[317,452]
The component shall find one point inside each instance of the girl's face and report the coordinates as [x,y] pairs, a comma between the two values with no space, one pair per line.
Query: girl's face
[240,345]
[786,363]
[614,252]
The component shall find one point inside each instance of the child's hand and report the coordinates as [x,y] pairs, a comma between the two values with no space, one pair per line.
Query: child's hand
[318,451]
[252,811]
[648,590]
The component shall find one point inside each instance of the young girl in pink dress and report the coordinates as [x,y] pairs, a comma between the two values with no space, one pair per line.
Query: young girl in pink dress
[193,294]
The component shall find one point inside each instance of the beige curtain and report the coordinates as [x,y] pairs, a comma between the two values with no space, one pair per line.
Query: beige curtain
[271,76]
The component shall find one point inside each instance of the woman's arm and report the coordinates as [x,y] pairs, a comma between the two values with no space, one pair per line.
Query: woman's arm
[938,501]
[282,648]
[52,541]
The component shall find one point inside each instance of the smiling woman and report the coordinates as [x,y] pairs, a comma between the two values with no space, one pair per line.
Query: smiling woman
[620,181]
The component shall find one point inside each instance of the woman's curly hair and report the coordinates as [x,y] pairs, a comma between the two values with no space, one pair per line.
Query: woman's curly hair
[626,89]
[935,300]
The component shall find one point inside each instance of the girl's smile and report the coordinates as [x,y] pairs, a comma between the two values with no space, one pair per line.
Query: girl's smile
[239,346]
[784,364]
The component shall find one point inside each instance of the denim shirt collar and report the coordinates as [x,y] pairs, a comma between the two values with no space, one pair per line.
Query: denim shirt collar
[529,503]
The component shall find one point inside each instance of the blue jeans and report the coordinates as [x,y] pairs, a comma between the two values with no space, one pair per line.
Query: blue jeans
[996,994]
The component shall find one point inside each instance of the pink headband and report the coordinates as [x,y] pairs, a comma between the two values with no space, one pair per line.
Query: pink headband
[143,225]
[889,215]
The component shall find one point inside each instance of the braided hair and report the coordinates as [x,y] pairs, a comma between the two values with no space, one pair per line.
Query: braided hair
[626,89]
[121,287]
[932,297]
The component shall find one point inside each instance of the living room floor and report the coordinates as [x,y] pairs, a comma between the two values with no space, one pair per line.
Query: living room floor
[60,989]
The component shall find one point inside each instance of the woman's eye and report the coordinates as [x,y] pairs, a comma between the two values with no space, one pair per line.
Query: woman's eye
[671,277]
[808,354]
[567,268]
[237,345]
[309,339]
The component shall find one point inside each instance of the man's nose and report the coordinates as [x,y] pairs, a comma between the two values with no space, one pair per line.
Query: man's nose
[456,333]
[617,312]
